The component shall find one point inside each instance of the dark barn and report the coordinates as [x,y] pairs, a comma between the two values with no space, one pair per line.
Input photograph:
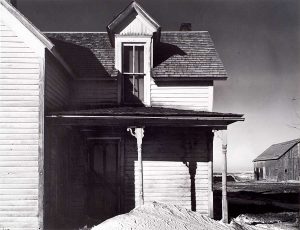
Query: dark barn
[280,162]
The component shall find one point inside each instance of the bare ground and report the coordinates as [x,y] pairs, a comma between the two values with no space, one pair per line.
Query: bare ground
[257,198]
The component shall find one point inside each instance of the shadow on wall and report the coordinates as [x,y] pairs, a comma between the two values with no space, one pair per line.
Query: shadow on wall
[67,163]
[180,148]
[192,170]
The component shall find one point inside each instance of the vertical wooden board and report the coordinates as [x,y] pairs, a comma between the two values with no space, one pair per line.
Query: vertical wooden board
[65,176]
[57,84]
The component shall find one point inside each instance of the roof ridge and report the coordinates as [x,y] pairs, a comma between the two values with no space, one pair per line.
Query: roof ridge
[74,32]
[287,142]
[104,32]
[27,24]
[276,151]
[178,31]
[36,32]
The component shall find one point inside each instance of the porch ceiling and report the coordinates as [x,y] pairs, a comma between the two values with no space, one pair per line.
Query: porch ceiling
[144,116]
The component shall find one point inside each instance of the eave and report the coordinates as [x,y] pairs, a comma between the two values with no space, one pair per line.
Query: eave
[145,116]
[37,33]
[187,79]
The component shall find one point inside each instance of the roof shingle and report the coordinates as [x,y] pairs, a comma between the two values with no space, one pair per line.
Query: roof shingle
[193,55]
[182,54]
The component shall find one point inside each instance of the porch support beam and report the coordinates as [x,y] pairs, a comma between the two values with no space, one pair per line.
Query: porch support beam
[224,178]
[138,133]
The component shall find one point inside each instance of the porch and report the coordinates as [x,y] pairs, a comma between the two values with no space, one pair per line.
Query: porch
[95,168]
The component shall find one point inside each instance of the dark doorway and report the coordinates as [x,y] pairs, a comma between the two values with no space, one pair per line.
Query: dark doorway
[103,187]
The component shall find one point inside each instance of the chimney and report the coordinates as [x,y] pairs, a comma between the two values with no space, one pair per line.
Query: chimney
[186,26]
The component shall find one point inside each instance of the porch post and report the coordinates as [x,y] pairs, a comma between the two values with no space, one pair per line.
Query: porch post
[139,134]
[224,178]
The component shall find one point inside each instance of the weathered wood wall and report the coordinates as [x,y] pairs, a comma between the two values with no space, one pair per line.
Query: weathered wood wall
[285,168]
[88,93]
[57,84]
[19,131]
[193,95]
[176,168]
[65,177]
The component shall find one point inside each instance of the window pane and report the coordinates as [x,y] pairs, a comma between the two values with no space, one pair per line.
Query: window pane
[128,59]
[139,59]
[134,90]
[128,86]
[139,87]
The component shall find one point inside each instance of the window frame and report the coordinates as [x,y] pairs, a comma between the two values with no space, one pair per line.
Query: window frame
[133,74]
[133,58]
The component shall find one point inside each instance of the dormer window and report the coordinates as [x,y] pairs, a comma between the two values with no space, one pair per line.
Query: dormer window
[133,34]
[133,72]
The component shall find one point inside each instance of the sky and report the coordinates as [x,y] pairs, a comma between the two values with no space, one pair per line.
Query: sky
[257,40]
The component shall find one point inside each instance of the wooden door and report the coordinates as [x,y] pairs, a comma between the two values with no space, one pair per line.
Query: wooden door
[104,186]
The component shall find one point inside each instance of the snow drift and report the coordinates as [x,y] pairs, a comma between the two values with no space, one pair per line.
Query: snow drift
[156,215]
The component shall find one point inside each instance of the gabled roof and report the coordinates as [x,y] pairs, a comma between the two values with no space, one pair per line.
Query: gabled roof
[27,24]
[276,151]
[180,55]
[36,32]
[126,15]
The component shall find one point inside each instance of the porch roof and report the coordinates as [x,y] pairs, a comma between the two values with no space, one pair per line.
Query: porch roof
[142,116]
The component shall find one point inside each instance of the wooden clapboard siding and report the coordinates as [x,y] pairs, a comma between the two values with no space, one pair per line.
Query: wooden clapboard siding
[94,92]
[138,26]
[188,96]
[169,155]
[20,73]
[57,86]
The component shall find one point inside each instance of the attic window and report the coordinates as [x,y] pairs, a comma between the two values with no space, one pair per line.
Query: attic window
[133,59]
[133,71]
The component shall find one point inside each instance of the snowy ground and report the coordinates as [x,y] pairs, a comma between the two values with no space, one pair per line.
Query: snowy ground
[171,217]
[156,216]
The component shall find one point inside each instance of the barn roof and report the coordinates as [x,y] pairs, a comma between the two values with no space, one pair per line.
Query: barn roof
[276,151]
[179,54]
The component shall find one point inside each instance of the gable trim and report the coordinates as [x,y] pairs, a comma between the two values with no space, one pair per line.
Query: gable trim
[21,18]
[123,14]
[24,24]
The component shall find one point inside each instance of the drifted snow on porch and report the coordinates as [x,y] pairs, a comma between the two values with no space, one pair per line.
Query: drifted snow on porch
[155,215]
